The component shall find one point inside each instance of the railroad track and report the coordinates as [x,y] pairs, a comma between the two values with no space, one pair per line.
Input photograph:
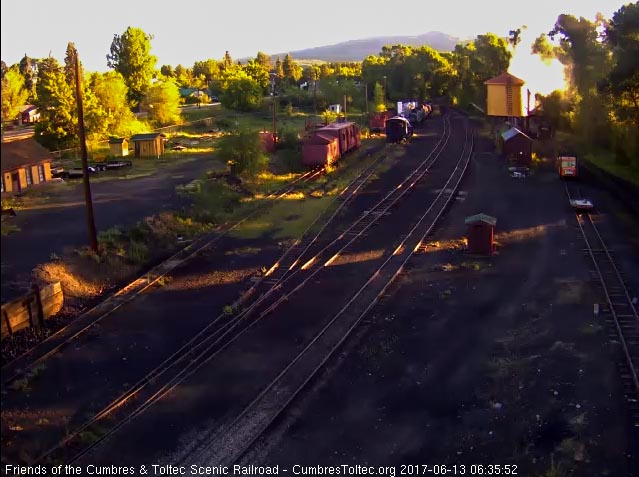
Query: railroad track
[187,351]
[32,358]
[619,310]
[225,329]
[228,445]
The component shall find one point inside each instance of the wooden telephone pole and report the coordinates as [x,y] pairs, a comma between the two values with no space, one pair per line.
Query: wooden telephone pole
[93,238]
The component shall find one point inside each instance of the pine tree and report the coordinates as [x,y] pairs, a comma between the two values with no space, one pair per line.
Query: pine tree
[69,63]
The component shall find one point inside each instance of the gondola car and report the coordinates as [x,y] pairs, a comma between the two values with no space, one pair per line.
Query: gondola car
[398,129]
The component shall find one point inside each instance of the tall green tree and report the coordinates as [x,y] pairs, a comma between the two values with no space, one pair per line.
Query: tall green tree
[58,114]
[259,73]
[207,68]
[167,70]
[13,95]
[291,69]
[264,60]
[131,57]
[162,101]
[69,63]
[227,62]
[622,38]
[28,70]
[241,92]
[113,116]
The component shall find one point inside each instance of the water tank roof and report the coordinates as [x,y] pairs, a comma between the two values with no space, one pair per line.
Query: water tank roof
[506,78]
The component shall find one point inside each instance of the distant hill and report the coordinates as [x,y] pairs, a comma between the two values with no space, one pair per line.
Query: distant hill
[357,50]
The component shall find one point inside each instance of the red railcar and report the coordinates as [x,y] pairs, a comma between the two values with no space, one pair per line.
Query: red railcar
[347,136]
[378,122]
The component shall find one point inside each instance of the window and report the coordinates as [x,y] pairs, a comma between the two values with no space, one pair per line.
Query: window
[29,176]
[41,172]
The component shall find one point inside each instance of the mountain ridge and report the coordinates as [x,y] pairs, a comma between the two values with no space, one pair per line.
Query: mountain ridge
[357,50]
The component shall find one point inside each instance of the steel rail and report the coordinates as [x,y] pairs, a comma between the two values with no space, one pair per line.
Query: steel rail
[253,413]
[195,362]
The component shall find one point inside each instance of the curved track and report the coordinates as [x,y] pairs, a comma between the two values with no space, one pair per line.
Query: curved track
[230,443]
[225,329]
[189,357]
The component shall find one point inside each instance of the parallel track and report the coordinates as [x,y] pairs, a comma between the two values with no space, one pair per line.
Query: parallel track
[192,353]
[140,285]
[228,445]
[620,310]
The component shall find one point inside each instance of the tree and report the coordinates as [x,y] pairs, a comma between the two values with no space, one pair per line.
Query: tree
[28,70]
[379,101]
[208,68]
[259,73]
[291,69]
[58,113]
[112,113]
[131,57]
[264,60]
[13,95]
[167,70]
[227,62]
[243,153]
[542,47]
[241,92]
[3,69]
[69,64]
[514,36]
[162,101]
[622,36]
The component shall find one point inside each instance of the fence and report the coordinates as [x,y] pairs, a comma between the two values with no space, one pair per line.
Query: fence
[32,309]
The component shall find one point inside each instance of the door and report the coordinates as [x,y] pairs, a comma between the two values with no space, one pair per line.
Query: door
[15,182]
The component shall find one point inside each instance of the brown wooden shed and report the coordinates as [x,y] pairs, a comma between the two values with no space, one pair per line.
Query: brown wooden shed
[480,234]
[118,146]
[148,144]
[517,146]
[24,164]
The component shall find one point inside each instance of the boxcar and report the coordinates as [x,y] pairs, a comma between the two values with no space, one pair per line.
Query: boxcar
[334,140]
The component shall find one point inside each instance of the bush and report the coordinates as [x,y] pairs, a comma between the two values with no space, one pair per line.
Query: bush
[243,153]
[328,116]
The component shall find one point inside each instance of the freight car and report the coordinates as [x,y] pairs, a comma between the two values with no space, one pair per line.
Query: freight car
[377,123]
[330,143]
[398,129]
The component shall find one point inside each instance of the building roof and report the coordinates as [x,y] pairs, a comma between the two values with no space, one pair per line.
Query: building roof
[512,132]
[483,218]
[145,136]
[24,152]
[27,108]
[116,140]
[506,78]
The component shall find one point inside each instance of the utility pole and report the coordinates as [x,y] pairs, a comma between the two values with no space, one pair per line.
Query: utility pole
[344,107]
[93,238]
[274,120]
[366,96]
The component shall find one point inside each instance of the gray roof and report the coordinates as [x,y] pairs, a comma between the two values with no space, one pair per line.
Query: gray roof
[511,133]
[145,136]
[487,219]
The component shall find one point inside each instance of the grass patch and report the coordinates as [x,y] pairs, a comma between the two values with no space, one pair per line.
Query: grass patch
[606,160]
[7,229]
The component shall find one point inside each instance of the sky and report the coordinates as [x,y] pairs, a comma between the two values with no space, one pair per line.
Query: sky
[202,29]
